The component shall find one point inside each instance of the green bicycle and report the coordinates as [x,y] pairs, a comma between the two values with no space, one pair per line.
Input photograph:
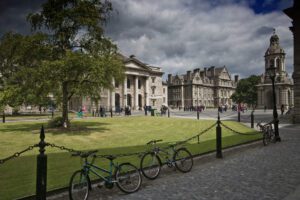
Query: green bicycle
[126,176]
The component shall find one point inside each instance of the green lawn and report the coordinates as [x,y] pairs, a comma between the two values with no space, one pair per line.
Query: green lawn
[109,135]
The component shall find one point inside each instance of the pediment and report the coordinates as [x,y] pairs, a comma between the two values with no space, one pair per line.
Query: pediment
[137,66]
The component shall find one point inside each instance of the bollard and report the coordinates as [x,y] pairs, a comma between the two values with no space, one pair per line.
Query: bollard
[168,112]
[198,137]
[111,113]
[219,138]
[252,119]
[3,117]
[239,116]
[41,176]
[146,112]
[198,114]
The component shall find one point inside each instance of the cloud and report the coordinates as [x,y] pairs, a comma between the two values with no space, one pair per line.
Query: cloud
[180,35]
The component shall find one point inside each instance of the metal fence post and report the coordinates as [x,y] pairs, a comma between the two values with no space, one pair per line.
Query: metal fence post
[198,114]
[168,112]
[41,176]
[252,119]
[219,138]
[111,113]
[239,116]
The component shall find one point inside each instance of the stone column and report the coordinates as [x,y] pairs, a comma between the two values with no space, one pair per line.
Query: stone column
[136,93]
[112,97]
[294,14]
[182,96]
[125,92]
[147,91]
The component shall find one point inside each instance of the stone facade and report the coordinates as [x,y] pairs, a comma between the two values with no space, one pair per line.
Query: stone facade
[275,57]
[142,86]
[210,87]
[294,14]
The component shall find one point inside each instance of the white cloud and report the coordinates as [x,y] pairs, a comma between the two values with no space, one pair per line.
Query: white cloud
[179,35]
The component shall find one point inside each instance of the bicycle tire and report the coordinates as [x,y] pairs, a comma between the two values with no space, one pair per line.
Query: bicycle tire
[183,160]
[128,178]
[150,162]
[266,138]
[79,186]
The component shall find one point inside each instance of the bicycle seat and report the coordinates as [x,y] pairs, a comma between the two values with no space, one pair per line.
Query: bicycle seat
[110,157]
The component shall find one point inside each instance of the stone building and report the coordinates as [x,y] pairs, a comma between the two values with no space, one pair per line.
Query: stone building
[275,57]
[142,86]
[210,87]
[294,14]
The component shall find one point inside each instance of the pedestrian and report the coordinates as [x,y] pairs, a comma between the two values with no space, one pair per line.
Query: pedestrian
[282,109]
[265,108]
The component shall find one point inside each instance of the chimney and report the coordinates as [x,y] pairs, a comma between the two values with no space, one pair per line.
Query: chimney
[205,71]
[132,56]
[188,73]
[212,69]
[170,78]
[236,78]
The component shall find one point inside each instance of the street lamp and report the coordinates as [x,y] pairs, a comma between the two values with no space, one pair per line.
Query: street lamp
[271,71]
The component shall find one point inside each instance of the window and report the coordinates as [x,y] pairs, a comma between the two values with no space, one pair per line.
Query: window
[116,84]
[128,83]
[164,90]
[139,84]
[153,102]
[153,89]
[153,79]
[164,100]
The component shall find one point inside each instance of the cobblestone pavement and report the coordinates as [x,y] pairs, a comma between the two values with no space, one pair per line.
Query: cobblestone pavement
[254,172]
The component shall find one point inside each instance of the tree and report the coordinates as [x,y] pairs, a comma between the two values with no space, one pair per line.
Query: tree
[246,91]
[20,58]
[83,61]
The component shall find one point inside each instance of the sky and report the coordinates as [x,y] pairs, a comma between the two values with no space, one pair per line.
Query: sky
[180,35]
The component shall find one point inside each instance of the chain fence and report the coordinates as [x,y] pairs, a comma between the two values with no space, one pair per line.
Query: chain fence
[17,154]
[237,132]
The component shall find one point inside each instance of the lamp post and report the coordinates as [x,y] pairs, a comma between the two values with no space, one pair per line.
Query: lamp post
[271,71]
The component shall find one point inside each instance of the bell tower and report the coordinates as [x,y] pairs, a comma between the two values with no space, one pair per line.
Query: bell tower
[275,57]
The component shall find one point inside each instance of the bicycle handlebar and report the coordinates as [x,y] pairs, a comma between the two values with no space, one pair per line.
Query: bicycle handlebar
[153,141]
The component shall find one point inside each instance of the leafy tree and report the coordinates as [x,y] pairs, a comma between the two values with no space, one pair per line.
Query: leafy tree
[82,60]
[246,91]
[20,57]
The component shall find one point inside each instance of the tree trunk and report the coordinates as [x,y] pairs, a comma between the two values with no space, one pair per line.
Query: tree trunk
[65,105]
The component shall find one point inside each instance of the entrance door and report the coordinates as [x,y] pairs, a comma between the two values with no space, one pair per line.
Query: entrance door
[140,101]
[129,100]
[117,101]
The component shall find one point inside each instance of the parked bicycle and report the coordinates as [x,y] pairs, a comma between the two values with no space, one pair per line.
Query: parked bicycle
[126,176]
[151,162]
[267,131]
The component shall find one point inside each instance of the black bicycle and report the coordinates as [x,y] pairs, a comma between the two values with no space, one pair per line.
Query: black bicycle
[126,176]
[151,163]
[268,132]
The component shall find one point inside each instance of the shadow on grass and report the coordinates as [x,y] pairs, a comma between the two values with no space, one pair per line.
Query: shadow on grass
[77,128]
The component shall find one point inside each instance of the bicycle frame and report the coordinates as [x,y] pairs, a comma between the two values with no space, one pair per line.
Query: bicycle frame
[90,167]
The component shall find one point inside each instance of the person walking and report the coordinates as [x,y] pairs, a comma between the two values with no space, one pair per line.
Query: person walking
[282,109]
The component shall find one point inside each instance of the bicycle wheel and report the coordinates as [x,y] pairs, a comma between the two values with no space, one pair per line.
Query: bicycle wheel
[183,160]
[266,138]
[150,165]
[79,186]
[128,178]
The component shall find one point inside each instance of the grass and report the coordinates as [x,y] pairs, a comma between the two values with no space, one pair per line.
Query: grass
[109,135]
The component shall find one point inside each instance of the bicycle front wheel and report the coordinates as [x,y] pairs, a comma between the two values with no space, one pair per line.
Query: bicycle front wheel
[150,165]
[128,178]
[79,186]
[183,160]
[266,138]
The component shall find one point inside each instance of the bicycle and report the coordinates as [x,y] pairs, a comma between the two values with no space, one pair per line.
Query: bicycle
[126,176]
[268,132]
[151,163]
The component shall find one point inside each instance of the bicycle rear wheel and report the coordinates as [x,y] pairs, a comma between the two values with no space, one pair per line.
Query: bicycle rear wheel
[183,160]
[150,165]
[79,186]
[128,178]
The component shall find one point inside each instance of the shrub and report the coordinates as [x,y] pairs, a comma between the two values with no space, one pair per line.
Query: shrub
[56,122]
